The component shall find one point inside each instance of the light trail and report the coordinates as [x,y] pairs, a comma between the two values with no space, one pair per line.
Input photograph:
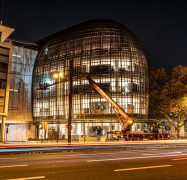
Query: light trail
[21,165]
[162,153]
[179,159]
[28,178]
[139,157]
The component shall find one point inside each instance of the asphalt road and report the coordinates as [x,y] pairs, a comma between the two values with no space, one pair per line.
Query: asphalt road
[152,164]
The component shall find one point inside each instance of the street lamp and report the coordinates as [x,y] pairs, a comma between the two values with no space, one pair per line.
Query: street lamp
[70,100]
[58,76]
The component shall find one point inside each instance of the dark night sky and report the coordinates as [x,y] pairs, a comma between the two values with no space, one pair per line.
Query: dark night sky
[160,25]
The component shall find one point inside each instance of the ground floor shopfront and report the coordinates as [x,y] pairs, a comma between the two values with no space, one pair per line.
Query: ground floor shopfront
[79,130]
[58,130]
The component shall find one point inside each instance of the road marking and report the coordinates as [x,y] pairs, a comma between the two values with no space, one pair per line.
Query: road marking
[179,159]
[21,165]
[139,168]
[129,158]
[7,158]
[28,178]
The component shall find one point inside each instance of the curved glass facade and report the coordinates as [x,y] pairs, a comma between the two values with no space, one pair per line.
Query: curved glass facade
[115,60]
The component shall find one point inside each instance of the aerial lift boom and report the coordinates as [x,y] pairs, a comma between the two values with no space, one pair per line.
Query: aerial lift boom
[125,120]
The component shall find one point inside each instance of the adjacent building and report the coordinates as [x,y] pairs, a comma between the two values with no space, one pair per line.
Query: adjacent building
[19,123]
[5,58]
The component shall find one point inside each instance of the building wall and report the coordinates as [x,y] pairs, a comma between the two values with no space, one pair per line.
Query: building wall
[21,69]
[5,56]
[20,96]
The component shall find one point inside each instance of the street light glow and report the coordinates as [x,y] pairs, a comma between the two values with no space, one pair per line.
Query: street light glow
[57,75]
[60,74]
[130,121]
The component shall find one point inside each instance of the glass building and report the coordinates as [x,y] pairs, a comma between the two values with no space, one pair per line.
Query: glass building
[114,58]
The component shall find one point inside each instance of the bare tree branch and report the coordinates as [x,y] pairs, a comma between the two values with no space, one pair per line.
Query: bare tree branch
[170,121]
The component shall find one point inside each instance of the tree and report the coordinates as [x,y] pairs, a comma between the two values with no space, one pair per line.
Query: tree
[157,101]
[168,94]
[177,93]
[178,109]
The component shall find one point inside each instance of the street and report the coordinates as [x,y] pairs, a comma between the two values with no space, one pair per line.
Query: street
[154,164]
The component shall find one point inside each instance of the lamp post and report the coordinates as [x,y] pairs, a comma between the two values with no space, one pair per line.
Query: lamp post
[70,101]
[58,76]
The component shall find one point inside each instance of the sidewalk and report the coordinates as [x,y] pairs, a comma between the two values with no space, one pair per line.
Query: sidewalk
[113,143]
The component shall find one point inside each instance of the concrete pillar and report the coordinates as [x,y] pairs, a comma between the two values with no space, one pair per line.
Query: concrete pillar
[3,129]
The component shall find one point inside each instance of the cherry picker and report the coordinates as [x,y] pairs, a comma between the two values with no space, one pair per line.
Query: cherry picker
[124,119]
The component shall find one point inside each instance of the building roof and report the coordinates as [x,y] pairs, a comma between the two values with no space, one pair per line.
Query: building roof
[25,44]
[5,31]
[82,26]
